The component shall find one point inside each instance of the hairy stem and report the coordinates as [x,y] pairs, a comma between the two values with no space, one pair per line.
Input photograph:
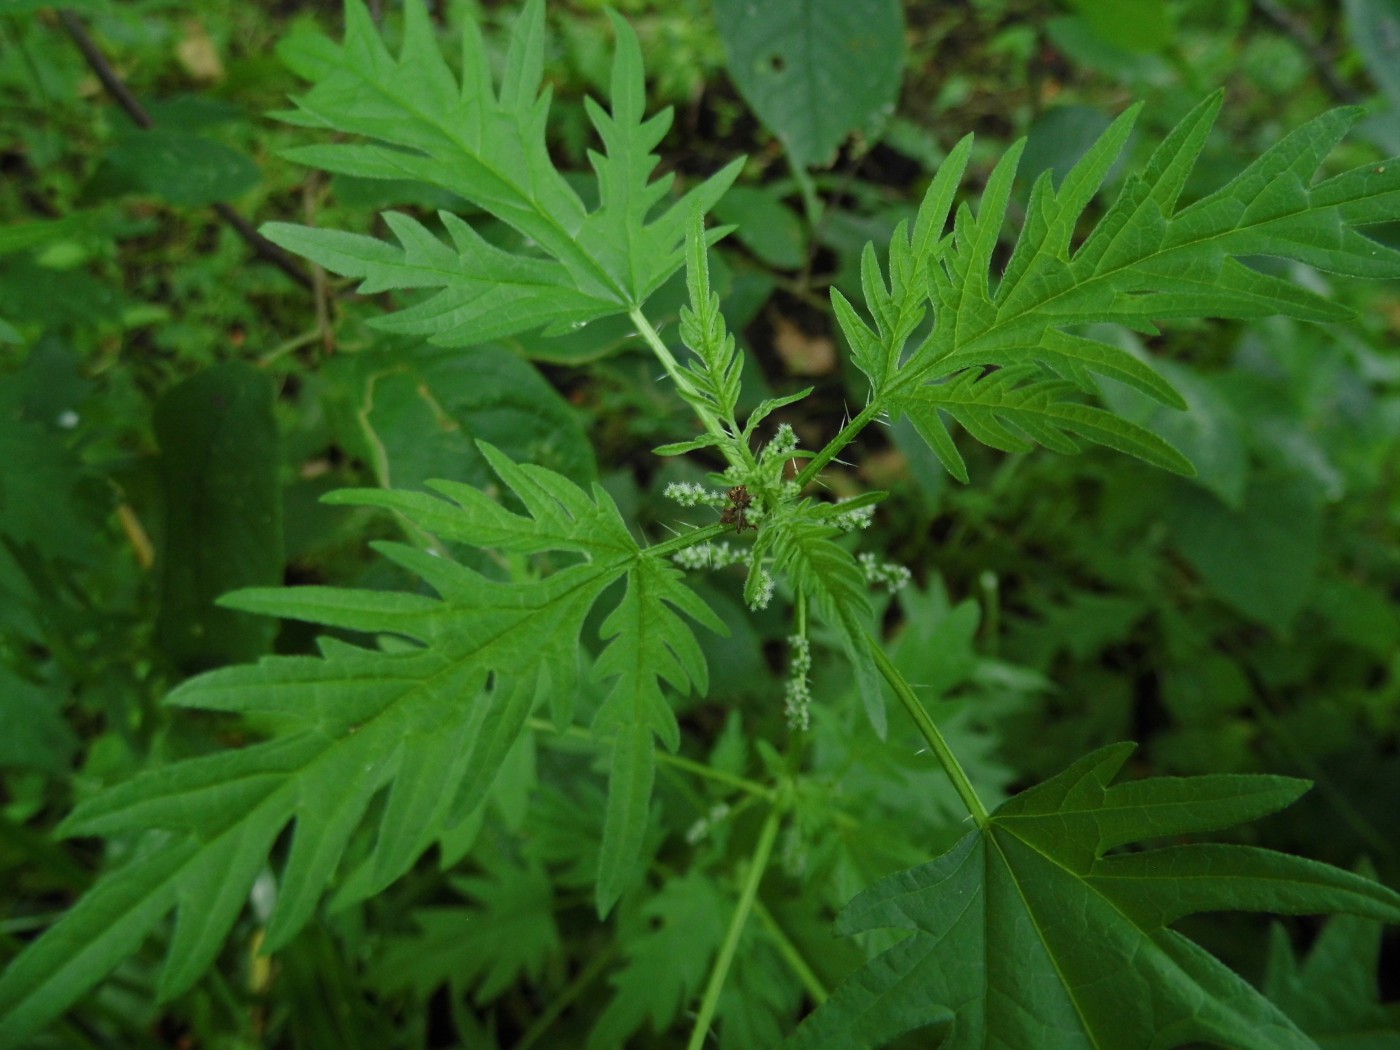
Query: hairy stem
[758,864]
[668,361]
[666,548]
[673,369]
[930,732]
[835,445]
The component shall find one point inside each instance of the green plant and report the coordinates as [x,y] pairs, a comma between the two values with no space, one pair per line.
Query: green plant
[1023,932]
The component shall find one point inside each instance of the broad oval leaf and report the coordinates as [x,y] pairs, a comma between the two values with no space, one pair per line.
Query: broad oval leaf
[815,70]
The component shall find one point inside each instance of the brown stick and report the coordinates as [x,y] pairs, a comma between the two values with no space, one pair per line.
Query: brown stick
[117,88]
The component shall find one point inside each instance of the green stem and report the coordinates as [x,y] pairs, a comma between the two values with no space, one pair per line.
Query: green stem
[558,1003]
[719,776]
[666,548]
[815,988]
[668,361]
[757,866]
[930,732]
[811,200]
[645,329]
[699,769]
[836,444]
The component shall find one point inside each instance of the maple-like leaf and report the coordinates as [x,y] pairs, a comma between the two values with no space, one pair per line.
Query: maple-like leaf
[1332,992]
[1025,934]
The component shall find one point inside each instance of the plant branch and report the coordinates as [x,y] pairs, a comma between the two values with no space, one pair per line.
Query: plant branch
[699,769]
[789,951]
[836,444]
[719,776]
[930,733]
[758,864]
[559,1003]
[673,369]
[124,98]
[666,548]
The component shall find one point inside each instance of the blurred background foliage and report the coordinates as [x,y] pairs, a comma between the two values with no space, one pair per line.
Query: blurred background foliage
[173,403]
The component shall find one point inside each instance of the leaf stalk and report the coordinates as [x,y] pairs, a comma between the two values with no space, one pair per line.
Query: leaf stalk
[699,769]
[835,445]
[930,733]
[747,896]
[713,426]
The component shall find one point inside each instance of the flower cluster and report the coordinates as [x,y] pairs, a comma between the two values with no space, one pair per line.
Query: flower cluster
[784,443]
[709,556]
[856,518]
[883,573]
[797,692]
[702,827]
[794,853]
[689,494]
[772,460]
[763,591]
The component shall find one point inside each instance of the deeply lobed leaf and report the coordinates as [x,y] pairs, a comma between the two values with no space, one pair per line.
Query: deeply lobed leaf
[1145,260]
[716,375]
[430,722]
[487,145]
[667,961]
[508,933]
[1332,993]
